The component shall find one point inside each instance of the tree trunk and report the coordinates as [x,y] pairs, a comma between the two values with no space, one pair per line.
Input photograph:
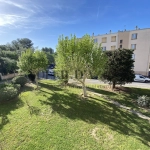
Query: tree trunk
[84,87]
[113,85]
[36,80]
[84,90]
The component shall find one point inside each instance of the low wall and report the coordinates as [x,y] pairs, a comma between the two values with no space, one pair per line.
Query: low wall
[9,76]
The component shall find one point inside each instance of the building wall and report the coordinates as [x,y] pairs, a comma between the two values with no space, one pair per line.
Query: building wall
[108,44]
[142,51]
[124,35]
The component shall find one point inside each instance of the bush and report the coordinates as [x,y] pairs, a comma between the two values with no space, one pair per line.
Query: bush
[19,80]
[143,101]
[17,86]
[8,92]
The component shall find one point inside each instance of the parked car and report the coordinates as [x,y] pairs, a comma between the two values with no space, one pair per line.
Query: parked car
[51,72]
[141,78]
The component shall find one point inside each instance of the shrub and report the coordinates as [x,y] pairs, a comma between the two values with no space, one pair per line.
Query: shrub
[17,86]
[143,101]
[8,92]
[19,80]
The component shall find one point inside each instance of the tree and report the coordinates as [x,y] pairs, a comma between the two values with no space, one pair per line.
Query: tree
[49,50]
[119,67]
[79,57]
[25,43]
[32,62]
[50,57]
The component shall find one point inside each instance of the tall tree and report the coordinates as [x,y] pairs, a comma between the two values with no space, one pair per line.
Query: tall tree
[32,62]
[7,65]
[25,43]
[119,67]
[49,50]
[79,57]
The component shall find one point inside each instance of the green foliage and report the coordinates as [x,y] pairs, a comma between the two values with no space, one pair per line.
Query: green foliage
[48,50]
[25,42]
[8,91]
[79,55]
[7,65]
[119,67]
[9,54]
[50,57]
[19,80]
[33,62]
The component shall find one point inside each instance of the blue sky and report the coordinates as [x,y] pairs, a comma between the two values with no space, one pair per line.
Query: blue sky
[43,21]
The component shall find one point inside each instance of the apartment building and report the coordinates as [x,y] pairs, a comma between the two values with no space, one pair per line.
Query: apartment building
[138,39]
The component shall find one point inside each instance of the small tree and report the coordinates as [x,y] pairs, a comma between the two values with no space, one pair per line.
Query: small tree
[119,67]
[33,62]
[79,57]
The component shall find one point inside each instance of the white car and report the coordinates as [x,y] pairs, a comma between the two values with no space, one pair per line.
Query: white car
[141,78]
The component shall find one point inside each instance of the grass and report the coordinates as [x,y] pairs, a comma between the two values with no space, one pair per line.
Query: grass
[56,118]
[125,98]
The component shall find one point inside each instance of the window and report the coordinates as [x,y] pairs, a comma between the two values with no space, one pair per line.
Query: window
[113,39]
[120,46]
[133,46]
[134,36]
[133,56]
[121,41]
[113,47]
[95,40]
[104,39]
[141,77]
[104,48]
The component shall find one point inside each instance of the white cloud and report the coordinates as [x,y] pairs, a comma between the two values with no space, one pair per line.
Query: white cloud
[10,19]
[30,15]
[13,3]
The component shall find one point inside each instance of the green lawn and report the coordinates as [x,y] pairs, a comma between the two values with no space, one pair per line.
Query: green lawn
[56,118]
[127,98]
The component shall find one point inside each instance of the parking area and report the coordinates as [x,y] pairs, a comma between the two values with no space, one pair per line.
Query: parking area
[45,76]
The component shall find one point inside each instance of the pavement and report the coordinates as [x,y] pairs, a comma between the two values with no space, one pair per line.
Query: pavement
[133,84]
[96,82]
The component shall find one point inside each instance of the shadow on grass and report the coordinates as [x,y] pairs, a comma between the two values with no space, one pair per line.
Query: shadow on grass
[50,87]
[140,91]
[34,110]
[27,88]
[6,108]
[95,110]
[101,91]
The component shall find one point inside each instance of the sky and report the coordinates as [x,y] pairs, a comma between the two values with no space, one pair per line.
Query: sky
[43,21]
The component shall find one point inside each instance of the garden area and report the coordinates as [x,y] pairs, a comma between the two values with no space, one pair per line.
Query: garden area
[58,117]
[38,114]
